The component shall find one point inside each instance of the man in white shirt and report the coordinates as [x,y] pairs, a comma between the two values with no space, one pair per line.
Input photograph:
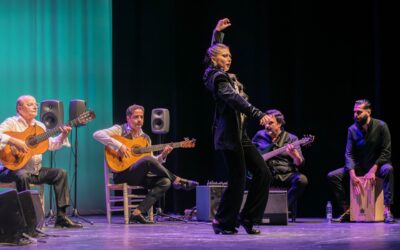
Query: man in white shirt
[148,171]
[33,172]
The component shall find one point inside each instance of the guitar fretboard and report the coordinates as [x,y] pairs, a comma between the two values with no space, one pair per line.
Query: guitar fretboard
[281,150]
[55,131]
[142,150]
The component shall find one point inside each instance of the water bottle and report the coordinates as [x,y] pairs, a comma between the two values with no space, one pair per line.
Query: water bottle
[329,212]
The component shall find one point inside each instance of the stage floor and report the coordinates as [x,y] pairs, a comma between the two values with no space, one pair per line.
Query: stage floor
[304,234]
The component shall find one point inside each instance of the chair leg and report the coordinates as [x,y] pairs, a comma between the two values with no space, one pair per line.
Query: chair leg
[41,196]
[151,214]
[294,211]
[108,214]
[126,203]
[108,203]
[108,206]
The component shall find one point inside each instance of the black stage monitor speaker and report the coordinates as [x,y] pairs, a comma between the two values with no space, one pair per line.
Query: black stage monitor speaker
[276,212]
[12,220]
[33,212]
[207,201]
[160,121]
[52,113]
[76,108]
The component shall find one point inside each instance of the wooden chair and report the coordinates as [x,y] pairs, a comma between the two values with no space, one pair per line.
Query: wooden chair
[129,199]
[11,185]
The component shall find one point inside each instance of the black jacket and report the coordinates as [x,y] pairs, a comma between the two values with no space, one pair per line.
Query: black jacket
[228,130]
[227,126]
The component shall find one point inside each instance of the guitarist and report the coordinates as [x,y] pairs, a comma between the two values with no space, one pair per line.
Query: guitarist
[147,171]
[284,167]
[33,172]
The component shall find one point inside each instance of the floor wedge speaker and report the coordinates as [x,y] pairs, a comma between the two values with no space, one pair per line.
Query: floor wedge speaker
[32,209]
[12,220]
[207,201]
[276,212]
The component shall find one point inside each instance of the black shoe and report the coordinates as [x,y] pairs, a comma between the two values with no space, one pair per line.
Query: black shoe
[248,226]
[389,218]
[186,184]
[139,219]
[64,221]
[345,217]
[220,230]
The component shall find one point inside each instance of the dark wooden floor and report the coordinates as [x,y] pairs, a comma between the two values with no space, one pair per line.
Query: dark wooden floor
[304,234]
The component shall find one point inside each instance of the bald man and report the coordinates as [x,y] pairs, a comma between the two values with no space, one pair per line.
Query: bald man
[33,172]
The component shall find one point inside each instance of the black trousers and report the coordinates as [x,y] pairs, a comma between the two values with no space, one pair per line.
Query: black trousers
[53,176]
[152,175]
[294,181]
[253,210]
[339,180]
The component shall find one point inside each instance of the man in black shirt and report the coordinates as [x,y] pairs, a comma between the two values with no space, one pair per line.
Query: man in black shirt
[368,153]
[284,167]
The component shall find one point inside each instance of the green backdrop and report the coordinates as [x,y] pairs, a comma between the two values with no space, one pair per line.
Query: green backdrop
[61,49]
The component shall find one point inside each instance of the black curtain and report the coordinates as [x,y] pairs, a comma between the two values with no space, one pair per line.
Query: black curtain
[309,59]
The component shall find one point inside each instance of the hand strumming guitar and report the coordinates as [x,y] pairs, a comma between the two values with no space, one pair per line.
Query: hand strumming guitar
[124,151]
[19,144]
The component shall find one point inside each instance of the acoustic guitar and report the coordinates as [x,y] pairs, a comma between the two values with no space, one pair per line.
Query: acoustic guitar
[139,148]
[36,138]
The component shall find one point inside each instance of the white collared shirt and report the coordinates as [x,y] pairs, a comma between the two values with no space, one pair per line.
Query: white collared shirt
[18,124]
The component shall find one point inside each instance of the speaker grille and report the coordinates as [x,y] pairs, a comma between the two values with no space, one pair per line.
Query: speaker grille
[76,108]
[52,113]
[160,121]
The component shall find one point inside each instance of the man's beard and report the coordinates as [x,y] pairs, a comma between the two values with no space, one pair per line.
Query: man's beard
[361,121]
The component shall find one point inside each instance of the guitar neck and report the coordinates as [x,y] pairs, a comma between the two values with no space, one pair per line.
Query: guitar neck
[50,133]
[279,151]
[157,147]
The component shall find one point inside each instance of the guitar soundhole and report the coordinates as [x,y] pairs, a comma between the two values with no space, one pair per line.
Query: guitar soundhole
[31,141]
[136,150]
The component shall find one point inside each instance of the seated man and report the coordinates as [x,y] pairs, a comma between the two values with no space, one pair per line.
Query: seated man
[148,170]
[368,153]
[33,172]
[284,167]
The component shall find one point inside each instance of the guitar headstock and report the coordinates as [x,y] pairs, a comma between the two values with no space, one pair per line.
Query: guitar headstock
[188,143]
[307,140]
[85,117]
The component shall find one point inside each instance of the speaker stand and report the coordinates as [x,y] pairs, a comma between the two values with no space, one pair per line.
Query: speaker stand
[50,217]
[75,212]
[161,201]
